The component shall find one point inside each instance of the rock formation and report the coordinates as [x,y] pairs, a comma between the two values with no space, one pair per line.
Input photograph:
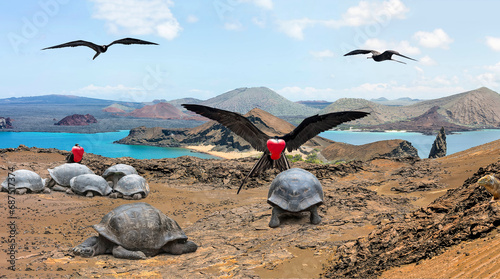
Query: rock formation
[340,151]
[5,123]
[438,148]
[212,133]
[77,120]
[461,214]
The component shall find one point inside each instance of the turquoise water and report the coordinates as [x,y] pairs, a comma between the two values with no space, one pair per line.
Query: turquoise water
[455,142]
[102,143]
[99,143]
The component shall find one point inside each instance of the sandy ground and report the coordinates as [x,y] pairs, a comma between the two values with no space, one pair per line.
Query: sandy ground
[231,230]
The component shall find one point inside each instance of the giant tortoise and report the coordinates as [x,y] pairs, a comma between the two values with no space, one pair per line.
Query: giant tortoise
[136,231]
[295,190]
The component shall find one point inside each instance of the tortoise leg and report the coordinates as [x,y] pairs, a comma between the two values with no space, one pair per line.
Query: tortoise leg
[70,192]
[51,183]
[315,219]
[137,196]
[89,194]
[177,248]
[59,188]
[275,220]
[93,246]
[21,191]
[113,195]
[46,190]
[120,252]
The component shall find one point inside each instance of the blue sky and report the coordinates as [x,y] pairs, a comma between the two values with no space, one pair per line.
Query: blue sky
[208,47]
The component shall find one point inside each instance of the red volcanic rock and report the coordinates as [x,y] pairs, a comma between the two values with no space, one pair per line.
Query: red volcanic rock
[77,120]
[162,111]
[5,123]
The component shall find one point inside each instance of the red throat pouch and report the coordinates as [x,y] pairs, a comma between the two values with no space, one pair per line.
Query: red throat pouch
[77,153]
[276,146]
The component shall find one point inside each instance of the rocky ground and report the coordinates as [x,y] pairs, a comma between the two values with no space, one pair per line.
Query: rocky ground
[383,217]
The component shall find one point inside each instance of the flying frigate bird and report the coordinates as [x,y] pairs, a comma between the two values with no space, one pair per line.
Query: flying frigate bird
[274,147]
[377,56]
[101,49]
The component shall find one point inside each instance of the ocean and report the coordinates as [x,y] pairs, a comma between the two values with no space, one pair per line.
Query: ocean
[102,143]
[98,143]
[454,143]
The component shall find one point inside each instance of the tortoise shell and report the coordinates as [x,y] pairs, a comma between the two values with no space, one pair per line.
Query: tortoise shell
[132,184]
[139,227]
[295,190]
[62,174]
[90,182]
[25,179]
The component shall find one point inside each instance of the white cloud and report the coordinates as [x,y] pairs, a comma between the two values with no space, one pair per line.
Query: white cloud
[295,28]
[423,88]
[259,22]
[402,47]
[192,19]
[264,4]
[364,13]
[493,43]
[138,17]
[434,39]
[427,61]
[373,12]
[233,26]
[490,78]
[322,54]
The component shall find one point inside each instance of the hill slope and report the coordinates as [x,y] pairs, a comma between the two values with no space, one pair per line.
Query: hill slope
[242,100]
[479,108]
[162,111]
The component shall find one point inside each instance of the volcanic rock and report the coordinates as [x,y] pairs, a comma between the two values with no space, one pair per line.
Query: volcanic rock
[462,214]
[340,151]
[438,148]
[213,133]
[77,120]
[5,123]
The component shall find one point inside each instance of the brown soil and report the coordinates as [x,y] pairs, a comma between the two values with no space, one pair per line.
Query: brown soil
[232,230]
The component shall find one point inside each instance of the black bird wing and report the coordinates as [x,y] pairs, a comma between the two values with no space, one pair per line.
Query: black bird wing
[312,126]
[265,162]
[235,122]
[362,51]
[76,43]
[388,54]
[130,41]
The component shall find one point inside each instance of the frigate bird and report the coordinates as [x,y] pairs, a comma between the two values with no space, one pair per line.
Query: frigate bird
[377,56]
[101,49]
[274,147]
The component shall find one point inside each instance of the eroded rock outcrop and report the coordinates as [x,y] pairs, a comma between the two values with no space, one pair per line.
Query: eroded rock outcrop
[438,148]
[340,151]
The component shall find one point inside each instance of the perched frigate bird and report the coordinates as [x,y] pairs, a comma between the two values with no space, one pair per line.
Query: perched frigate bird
[101,49]
[274,147]
[377,56]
